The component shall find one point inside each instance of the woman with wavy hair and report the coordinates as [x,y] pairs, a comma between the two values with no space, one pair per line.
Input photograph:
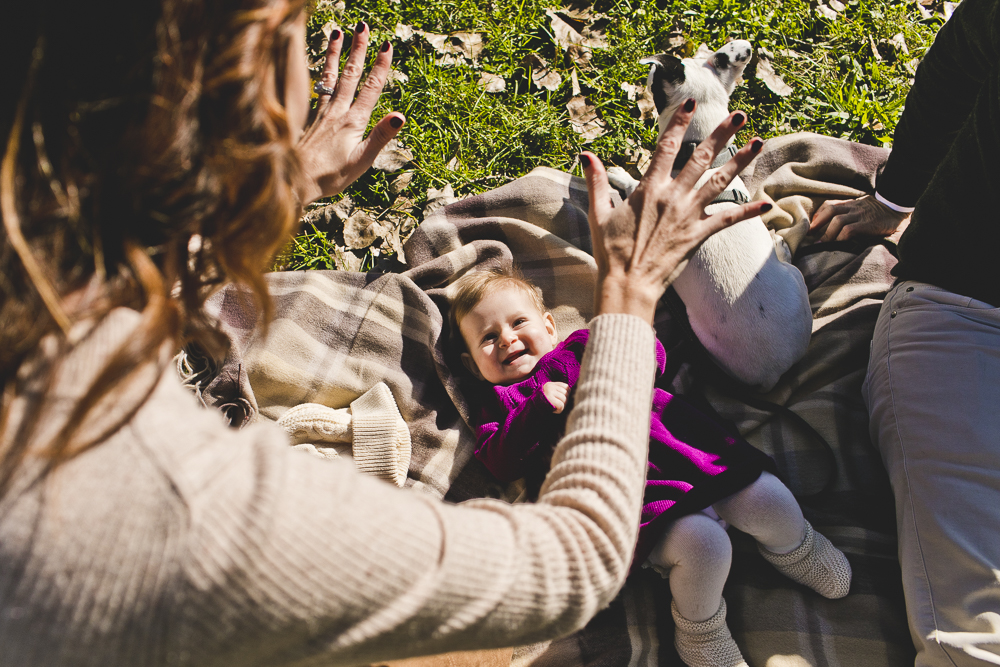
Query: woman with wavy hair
[154,151]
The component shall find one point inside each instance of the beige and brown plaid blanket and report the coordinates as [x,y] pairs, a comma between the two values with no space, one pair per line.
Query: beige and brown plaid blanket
[337,334]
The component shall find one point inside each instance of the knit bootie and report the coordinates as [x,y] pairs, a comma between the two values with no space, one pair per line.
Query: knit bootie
[706,643]
[815,563]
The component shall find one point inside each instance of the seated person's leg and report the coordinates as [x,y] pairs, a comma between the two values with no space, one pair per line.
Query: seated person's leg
[933,393]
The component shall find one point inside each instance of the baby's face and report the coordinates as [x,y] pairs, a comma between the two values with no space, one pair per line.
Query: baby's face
[506,335]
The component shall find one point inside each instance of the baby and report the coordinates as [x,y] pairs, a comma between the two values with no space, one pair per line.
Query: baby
[695,469]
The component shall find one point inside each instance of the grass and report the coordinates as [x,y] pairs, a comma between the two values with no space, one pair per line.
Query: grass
[847,78]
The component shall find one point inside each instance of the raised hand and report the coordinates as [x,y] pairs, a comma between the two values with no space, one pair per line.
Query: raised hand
[334,149]
[644,244]
[864,216]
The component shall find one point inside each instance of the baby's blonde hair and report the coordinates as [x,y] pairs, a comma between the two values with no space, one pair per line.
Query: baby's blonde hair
[473,287]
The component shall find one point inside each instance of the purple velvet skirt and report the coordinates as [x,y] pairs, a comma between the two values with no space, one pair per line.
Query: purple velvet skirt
[693,462]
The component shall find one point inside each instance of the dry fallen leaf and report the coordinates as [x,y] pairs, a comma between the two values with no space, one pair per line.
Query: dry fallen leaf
[321,218]
[337,7]
[404,32]
[395,78]
[435,40]
[631,90]
[455,49]
[646,105]
[899,42]
[492,83]
[766,73]
[361,230]
[541,75]
[837,6]
[584,120]
[572,28]
[875,53]
[643,100]
[469,44]
[924,12]
[393,157]
[401,182]
[638,159]
[826,11]
[948,9]
[327,216]
[346,260]
[581,56]
[438,199]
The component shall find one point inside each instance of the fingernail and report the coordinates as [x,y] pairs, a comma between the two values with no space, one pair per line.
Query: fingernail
[335,35]
[359,28]
[585,160]
[756,145]
[689,104]
[766,207]
[385,46]
[396,122]
[738,119]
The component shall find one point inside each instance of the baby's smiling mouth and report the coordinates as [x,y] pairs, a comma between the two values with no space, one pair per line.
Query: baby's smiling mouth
[514,356]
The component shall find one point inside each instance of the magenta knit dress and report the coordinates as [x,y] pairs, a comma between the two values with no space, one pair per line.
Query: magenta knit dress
[693,460]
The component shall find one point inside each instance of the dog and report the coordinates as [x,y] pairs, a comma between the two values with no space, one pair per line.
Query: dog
[747,304]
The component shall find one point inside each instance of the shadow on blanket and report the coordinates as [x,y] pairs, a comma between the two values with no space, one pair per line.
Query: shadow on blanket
[336,334]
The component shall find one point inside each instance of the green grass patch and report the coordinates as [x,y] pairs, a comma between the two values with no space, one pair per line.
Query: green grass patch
[848,70]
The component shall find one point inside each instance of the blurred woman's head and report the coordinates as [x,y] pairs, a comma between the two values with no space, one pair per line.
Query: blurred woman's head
[149,154]
[142,125]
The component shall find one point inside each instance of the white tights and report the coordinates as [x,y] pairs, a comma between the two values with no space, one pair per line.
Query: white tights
[697,551]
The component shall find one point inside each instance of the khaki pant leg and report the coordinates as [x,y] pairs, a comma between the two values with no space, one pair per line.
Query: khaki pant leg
[933,394]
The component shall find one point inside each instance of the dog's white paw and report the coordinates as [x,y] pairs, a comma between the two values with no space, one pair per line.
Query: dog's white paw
[622,180]
[781,248]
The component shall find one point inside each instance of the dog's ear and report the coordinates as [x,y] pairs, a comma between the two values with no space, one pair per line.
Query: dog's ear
[665,74]
[730,61]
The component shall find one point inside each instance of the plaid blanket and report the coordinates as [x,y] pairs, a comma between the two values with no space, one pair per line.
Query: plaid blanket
[336,334]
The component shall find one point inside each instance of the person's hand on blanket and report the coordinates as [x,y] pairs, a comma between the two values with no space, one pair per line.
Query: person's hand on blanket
[333,149]
[864,216]
[644,244]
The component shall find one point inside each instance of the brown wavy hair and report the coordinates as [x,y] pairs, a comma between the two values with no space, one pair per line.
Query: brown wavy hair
[148,160]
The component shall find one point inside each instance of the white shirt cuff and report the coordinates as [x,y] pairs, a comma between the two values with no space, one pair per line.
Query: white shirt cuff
[894,207]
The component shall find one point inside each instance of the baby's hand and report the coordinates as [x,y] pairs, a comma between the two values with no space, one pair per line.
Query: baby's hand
[557,393]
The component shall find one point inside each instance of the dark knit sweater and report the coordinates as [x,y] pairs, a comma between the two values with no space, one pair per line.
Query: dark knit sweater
[944,159]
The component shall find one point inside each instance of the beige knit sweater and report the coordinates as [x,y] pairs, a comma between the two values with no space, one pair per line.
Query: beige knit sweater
[178,541]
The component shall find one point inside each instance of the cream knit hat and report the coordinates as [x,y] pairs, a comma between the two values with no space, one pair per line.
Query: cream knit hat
[379,438]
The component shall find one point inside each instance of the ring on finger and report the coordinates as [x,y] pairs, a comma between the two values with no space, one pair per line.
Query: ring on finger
[321,89]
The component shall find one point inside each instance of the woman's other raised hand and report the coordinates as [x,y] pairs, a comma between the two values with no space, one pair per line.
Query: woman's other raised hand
[334,149]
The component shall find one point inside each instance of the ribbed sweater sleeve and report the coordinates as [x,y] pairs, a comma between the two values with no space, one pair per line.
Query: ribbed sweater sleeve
[368,572]
[179,541]
[944,90]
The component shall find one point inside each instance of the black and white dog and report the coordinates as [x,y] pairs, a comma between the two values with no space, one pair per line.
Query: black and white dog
[746,303]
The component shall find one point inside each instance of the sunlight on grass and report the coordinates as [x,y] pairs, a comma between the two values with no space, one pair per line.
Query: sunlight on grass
[849,68]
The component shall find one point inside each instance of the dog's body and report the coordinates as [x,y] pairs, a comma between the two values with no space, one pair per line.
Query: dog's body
[749,309]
